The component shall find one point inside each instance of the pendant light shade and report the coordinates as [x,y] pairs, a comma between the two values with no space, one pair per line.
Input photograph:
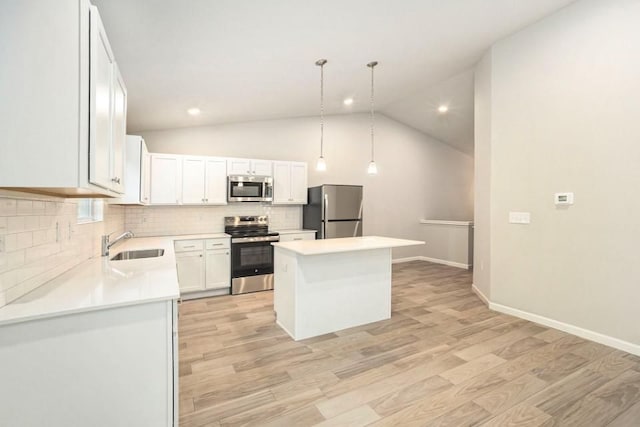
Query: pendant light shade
[321,165]
[373,168]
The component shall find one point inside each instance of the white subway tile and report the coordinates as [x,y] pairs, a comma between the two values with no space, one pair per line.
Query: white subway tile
[24,207]
[7,207]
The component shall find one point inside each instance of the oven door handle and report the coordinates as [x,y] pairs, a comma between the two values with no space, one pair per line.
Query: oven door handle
[255,239]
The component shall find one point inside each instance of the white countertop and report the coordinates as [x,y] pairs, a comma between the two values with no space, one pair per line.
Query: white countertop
[99,283]
[346,244]
[294,231]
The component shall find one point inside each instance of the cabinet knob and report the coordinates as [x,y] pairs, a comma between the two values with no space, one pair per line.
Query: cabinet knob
[200,255]
[116,180]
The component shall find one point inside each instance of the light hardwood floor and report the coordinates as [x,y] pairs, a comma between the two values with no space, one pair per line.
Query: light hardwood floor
[443,359]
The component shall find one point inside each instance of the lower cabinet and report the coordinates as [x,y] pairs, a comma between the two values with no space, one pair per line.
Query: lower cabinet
[117,367]
[204,265]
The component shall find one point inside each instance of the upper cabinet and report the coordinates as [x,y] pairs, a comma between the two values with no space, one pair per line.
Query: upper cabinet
[197,180]
[166,179]
[137,168]
[249,167]
[66,118]
[204,181]
[289,183]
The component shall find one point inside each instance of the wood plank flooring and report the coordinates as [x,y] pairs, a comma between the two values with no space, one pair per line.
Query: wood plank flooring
[443,359]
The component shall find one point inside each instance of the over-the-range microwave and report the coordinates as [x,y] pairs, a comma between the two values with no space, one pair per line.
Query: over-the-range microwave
[250,188]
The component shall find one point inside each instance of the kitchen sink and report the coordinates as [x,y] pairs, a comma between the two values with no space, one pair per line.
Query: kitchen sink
[144,253]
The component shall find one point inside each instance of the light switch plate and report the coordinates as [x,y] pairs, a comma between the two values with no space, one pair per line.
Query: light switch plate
[519,217]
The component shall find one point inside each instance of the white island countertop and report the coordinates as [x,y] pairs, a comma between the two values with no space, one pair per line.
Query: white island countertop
[345,244]
[99,283]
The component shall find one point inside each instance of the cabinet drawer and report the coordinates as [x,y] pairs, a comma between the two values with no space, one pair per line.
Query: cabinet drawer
[189,245]
[218,243]
[297,236]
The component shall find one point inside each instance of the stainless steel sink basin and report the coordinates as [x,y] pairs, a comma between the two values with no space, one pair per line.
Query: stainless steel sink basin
[144,253]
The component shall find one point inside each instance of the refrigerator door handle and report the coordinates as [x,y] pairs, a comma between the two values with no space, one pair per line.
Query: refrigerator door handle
[324,214]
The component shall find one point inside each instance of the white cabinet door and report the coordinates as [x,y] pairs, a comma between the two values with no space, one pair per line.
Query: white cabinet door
[193,180]
[119,132]
[239,167]
[145,175]
[289,183]
[216,182]
[190,271]
[298,182]
[261,167]
[218,269]
[281,182]
[165,178]
[101,105]
[297,236]
[249,167]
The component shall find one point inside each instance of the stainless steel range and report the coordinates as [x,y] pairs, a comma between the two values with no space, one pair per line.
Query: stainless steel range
[251,253]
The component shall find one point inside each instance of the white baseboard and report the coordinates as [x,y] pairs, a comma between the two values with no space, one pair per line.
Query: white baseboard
[445,262]
[482,296]
[434,260]
[408,259]
[571,329]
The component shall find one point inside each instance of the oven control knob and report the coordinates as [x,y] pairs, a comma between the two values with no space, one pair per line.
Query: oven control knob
[256,270]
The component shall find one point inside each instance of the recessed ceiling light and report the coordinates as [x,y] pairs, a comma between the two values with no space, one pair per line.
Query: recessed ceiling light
[193,111]
[443,109]
[348,101]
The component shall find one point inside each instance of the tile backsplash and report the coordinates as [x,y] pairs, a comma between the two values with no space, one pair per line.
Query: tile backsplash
[40,239]
[176,220]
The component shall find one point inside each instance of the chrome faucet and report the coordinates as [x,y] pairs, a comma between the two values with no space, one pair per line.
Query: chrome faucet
[106,244]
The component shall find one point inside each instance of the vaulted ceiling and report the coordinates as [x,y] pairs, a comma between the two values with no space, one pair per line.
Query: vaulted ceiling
[244,60]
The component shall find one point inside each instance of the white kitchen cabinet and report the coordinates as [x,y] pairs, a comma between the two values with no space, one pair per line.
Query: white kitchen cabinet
[57,123]
[166,178]
[145,175]
[119,133]
[117,365]
[290,237]
[191,273]
[217,269]
[136,190]
[289,183]
[249,167]
[193,180]
[204,181]
[204,266]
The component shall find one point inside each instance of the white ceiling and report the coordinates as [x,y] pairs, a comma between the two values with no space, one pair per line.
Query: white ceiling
[242,60]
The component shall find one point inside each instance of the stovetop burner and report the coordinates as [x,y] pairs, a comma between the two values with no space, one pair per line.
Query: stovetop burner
[247,226]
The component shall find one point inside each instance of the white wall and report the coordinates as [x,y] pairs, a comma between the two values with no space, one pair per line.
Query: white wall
[565,116]
[419,177]
[482,178]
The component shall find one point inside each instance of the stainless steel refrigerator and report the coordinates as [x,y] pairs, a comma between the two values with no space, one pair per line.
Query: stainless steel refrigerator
[334,211]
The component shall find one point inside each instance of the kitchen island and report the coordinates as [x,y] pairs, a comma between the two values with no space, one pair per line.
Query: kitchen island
[323,286]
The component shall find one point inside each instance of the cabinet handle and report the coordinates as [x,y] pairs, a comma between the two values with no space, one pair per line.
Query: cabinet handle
[187,247]
[217,244]
[297,238]
[116,180]
[227,253]
[206,200]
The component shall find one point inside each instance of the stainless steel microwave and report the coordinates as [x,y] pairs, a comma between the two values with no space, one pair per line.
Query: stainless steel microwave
[250,188]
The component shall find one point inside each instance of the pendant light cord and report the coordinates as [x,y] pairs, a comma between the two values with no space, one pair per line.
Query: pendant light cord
[320,63]
[322,110]
[372,114]
[372,65]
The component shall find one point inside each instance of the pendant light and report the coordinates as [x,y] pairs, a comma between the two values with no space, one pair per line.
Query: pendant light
[372,169]
[321,166]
